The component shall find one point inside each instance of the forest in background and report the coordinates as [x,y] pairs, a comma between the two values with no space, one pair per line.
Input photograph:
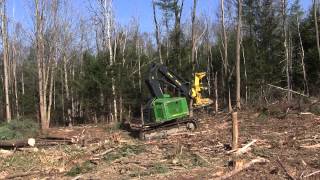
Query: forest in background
[68,70]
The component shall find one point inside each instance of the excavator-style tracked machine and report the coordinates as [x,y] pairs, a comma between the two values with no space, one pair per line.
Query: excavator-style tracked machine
[164,114]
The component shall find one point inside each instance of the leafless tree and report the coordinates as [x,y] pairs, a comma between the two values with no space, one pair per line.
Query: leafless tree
[157,31]
[238,46]
[4,35]
[285,45]
[305,82]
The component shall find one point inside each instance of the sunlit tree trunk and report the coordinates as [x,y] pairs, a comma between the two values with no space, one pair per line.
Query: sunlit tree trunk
[5,46]
[225,54]
[238,79]
[67,90]
[39,7]
[286,48]
[108,26]
[305,82]
[44,63]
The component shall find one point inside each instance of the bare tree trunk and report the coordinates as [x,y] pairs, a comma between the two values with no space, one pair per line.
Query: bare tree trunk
[315,12]
[22,83]
[177,29]
[5,59]
[216,92]
[290,49]
[238,95]
[225,54]
[121,109]
[51,86]
[124,49]
[305,81]
[138,47]
[108,26]
[245,74]
[285,45]
[66,86]
[44,66]
[193,18]
[73,106]
[14,71]
[167,42]
[157,31]
[40,63]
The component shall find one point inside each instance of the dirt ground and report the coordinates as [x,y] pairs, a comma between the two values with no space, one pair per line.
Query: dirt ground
[290,144]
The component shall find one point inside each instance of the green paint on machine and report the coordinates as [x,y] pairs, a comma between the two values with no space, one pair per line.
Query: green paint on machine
[169,108]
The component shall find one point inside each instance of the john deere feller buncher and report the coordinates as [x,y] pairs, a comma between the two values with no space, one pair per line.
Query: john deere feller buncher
[164,114]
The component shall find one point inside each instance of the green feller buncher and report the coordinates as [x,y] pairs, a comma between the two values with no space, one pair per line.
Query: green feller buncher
[164,115]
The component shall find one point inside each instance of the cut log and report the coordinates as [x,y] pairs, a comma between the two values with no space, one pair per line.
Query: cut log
[18,143]
[59,138]
[104,153]
[46,142]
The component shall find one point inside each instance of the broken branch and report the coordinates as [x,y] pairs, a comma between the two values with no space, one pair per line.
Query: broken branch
[284,89]
[311,146]
[285,169]
[246,166]
[245,148]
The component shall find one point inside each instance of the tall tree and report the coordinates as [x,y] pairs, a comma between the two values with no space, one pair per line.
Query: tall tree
[193,40]
[286,48]
[238,46]
[315,14]
[5,45]
[44,59]
[107,6]
[225,83]
[157,31]
[173,7]
[177,30]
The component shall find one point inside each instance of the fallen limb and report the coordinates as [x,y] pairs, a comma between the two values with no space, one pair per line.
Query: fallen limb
[202,158]
[284,89]
[285,169]
[242,150]
[245,148]
[23,174]
[311,146]
[61,138]
[245,166]
[311,174]
[104,153]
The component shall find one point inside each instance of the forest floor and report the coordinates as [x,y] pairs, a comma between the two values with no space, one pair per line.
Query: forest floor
[290,144]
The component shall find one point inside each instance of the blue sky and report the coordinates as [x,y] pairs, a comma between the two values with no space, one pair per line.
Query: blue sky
[124,10]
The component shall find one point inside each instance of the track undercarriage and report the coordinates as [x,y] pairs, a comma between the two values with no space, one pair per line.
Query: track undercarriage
[162,130]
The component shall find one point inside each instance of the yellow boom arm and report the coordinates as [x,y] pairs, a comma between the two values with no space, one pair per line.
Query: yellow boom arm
[197,88]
